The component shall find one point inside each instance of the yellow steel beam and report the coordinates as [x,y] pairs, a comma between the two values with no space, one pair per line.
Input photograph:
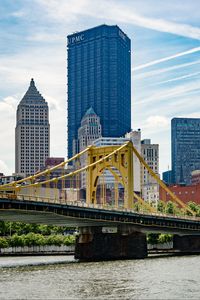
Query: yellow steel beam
[45,172]
[161,183]
[123,162]
[70,174]
[145,204]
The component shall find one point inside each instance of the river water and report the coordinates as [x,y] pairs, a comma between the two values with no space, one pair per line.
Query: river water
[61,277]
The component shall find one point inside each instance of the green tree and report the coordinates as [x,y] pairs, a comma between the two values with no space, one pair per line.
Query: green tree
[3,243]
[56,240]
[161,206]
[152,238]
[69,240]
[165,238]
[170,208]
[194,207]
[4,228]
[16,241]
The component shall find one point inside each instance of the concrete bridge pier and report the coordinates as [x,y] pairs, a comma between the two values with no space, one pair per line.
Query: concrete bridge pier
[110,243]
[187,243]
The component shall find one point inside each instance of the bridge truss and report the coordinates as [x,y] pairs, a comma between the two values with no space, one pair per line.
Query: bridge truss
[92,171]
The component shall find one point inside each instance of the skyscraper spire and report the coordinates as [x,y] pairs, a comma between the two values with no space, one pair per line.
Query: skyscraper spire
[32,83]
[32,94]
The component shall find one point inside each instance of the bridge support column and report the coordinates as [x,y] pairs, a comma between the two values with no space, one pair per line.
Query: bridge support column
[187,243]
[102,243]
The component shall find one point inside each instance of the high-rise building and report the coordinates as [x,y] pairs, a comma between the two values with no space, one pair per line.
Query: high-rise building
[99,76]
[135,137]
[89,130]
[31,132]
[149,186]
[185,147]
[167,177]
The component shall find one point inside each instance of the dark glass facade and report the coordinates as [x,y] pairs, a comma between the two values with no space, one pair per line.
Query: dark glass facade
[185,135]
[167,177]
[99,76]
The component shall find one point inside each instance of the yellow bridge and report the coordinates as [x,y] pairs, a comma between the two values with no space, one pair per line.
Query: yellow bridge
[117,160]
[111,226]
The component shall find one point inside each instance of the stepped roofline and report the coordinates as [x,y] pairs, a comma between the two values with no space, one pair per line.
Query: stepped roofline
[32,96]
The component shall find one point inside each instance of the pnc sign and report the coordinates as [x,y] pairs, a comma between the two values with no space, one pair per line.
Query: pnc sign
[76,39]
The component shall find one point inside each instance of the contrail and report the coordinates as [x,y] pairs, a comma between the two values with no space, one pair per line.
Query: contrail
[158,61]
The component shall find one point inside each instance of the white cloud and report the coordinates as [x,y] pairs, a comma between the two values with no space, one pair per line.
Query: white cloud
[176,78]
[171,93]
[7,129]
[45,37]
[18,13]
[162,70]
[156,123]
[4,168]
[71,10]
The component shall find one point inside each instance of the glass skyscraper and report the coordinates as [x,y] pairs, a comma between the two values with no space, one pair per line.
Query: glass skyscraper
[99,76]
[185,136]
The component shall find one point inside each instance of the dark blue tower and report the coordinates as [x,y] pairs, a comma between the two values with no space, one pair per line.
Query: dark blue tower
[99,76]
[185,142]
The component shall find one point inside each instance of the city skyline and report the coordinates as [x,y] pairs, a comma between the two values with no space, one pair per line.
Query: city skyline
[165,60]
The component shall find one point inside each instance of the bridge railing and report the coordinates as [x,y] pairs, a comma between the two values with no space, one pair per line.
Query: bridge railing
[83,204]
[108,183]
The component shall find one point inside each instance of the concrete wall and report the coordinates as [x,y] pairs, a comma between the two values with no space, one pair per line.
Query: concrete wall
[37,250]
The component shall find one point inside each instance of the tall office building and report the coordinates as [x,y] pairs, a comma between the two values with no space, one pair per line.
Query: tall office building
[89,130]
[149,186]
[31,132]
[99,76]
[135,137]
[185,147]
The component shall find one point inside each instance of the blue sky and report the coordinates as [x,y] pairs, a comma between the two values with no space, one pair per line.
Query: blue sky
[165,62]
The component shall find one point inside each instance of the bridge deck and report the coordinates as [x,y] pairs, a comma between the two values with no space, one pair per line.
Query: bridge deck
[81,216]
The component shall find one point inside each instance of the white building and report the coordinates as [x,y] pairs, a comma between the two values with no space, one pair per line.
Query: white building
[135,137]
[150,187]
[31,132]
[89,131]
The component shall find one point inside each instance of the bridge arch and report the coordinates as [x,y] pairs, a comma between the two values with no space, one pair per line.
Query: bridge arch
[121,160]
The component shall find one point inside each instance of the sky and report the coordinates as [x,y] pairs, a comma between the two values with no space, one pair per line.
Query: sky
[165,55]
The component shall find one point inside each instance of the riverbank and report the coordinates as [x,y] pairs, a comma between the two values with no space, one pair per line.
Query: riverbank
[38,250]
[166,248]
[35,260]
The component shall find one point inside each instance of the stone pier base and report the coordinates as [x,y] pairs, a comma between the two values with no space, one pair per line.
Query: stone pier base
[97,243]
[187,243]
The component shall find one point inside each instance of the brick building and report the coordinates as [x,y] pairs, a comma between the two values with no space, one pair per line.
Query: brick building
[184,193]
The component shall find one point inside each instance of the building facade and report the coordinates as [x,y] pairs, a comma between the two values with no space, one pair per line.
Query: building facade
[184,193]
[167,177]
[9,178]
[185,147]
[149,186]
[99,76]
[31,132]
[195,177]
[89,130]
[135,137]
